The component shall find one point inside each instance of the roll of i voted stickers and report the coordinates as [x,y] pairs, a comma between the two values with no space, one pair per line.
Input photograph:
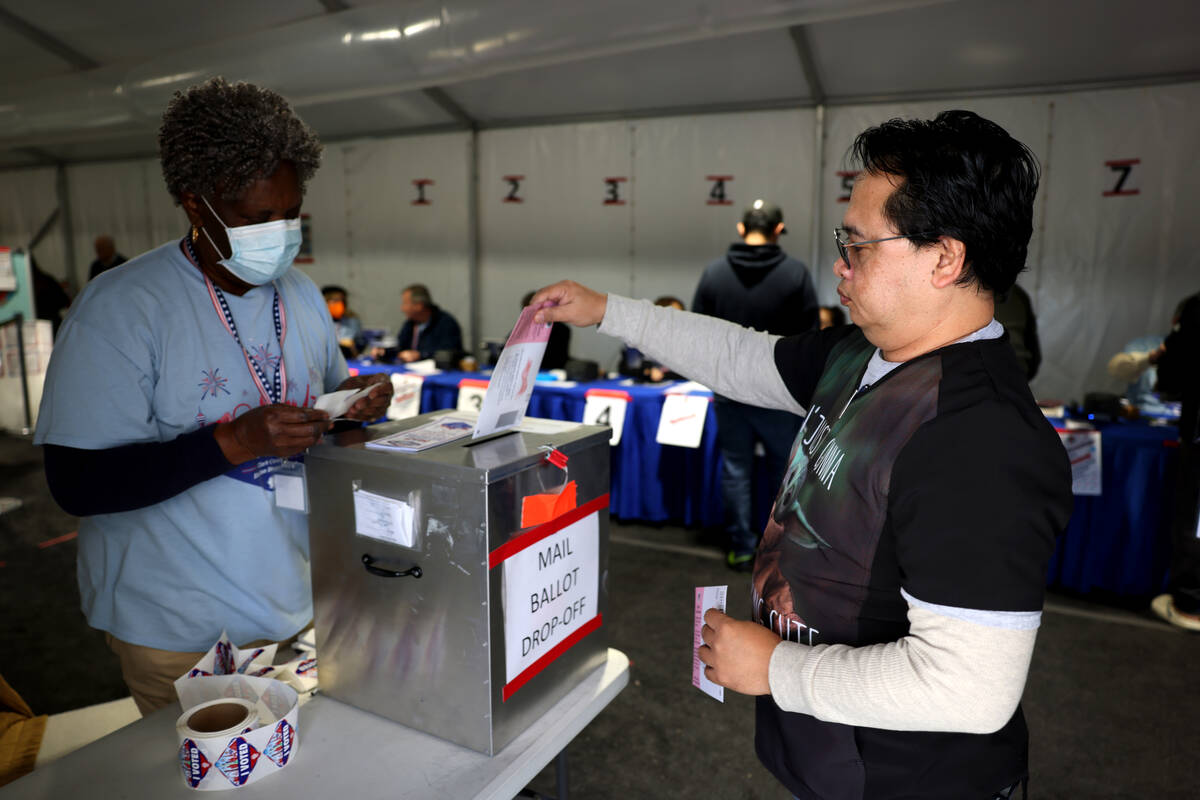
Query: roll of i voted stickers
[235,730]
[220,718]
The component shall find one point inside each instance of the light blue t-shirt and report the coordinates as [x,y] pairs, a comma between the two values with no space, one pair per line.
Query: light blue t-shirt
[144,357]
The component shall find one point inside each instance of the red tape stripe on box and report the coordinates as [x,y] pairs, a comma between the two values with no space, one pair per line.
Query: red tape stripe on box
[513,546]
[533,669]
[482,384]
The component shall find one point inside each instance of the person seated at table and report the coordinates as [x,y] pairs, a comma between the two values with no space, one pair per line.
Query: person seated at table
[637,366]
[346,324]
[198,363]
[559,347]
[427,329]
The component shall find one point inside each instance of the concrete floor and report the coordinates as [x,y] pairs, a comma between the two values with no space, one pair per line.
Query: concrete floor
[1110,699]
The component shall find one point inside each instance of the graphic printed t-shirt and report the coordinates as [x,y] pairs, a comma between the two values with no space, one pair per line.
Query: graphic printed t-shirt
[941,482]
[143,357]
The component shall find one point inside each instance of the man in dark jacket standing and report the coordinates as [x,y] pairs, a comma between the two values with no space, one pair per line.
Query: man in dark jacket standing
[756,285]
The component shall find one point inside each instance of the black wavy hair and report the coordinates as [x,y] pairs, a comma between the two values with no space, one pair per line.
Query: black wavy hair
[221,136]
[965,177]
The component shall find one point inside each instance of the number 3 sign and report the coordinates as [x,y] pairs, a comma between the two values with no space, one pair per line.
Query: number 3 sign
[470,394]
[606,407]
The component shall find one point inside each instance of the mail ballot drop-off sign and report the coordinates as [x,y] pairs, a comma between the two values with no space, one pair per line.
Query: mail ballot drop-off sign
[551,591]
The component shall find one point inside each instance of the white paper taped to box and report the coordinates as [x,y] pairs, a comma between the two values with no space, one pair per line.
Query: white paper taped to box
[241,715]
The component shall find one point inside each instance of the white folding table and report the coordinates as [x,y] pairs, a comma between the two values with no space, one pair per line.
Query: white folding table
[344,752]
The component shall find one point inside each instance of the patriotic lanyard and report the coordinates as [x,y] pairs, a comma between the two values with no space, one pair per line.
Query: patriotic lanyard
[278,390]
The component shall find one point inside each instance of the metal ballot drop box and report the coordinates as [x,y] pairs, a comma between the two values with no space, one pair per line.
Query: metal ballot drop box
[426,586]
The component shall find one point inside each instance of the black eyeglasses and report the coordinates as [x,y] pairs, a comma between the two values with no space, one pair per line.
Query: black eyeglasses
[842,244]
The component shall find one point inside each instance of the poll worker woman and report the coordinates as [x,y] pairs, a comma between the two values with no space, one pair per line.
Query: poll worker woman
[180,393]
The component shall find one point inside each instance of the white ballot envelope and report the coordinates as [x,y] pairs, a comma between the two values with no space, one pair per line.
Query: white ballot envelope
[512,380]
[338,403]
[706,597]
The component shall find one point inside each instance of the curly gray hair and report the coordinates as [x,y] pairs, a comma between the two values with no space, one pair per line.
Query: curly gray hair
[218,136]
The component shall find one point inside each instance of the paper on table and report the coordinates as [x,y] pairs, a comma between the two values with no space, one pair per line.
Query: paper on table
[440,431]
[338,403]
[706,597]
[512,380]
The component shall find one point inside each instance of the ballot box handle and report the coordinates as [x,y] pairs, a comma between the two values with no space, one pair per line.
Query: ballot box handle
[369,564]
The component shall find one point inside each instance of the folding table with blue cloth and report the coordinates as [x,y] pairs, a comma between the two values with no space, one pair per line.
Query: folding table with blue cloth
[1119,542]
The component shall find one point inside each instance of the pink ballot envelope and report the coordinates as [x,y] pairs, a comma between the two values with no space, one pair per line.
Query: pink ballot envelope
[526,331]
[511,384]
[706,597]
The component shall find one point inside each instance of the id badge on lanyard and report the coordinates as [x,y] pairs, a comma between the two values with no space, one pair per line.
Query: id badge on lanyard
[284,477]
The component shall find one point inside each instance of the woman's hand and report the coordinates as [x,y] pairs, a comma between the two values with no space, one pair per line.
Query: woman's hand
[274,430]
[374,405]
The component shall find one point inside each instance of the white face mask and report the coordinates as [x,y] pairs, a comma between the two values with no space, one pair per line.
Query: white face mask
[259,253]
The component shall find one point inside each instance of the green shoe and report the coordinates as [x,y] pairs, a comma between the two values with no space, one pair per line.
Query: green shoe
[739,562]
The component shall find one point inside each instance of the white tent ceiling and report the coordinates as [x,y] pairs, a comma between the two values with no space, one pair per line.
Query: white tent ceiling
[81,81]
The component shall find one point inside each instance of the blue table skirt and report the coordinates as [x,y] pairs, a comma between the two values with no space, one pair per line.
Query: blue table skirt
[1119,542]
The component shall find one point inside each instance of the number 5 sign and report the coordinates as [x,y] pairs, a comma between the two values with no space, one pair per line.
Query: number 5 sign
[606,407]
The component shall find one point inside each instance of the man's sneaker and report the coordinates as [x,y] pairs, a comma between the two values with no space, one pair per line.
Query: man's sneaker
[739,562]
[1164,606]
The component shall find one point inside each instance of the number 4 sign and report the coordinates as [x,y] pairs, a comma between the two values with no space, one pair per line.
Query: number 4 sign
[606,407]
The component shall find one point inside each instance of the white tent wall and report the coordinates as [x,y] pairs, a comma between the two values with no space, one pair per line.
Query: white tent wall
[560,228]
[679,227]
[387,241]
[1104,268]
[325,207]
[1114,264]
[27,199]
[127,200]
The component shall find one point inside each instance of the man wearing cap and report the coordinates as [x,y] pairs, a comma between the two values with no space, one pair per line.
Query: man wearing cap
[756,285]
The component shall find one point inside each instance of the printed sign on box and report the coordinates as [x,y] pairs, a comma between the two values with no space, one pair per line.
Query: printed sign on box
[551,589]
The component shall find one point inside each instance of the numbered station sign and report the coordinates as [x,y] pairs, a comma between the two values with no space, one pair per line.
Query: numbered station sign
[606,407]
[406,395]
[470,394]
[682,420]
